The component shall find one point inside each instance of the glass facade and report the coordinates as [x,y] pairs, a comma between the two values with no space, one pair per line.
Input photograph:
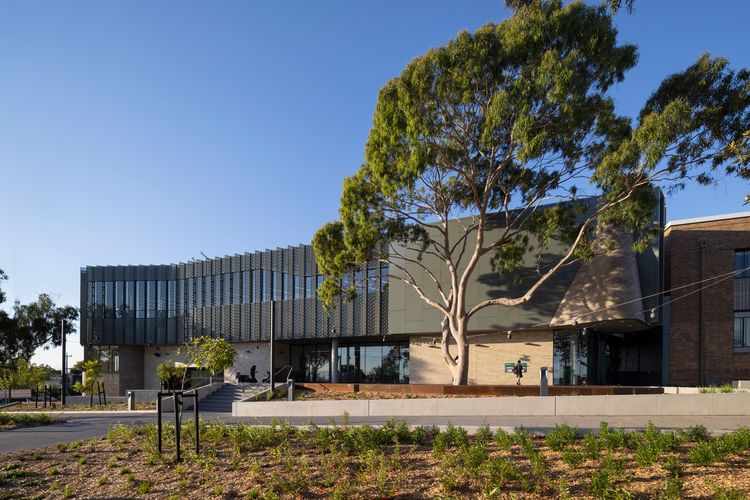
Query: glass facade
[168,304]
[370,363]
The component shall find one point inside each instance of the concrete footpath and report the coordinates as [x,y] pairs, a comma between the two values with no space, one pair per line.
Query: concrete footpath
[88,426]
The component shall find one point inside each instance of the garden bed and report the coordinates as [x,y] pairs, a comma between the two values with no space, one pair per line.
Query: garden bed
[117,406]
[388,462]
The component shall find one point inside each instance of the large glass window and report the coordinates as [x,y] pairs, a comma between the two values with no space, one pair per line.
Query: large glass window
[236,289]
[246,298]
[171,298]
[383,278]
[151,299]
[207,291]
[309,287]
[288,286]
[226,294]
[257,284]
[109,299]
[570,357]
[119,299]
[91,299]
[129,298]
[298,290]
[161,298]
[278,285]
[266,285]
[742,301]
[198,282]
[217,290]
[140,299]
[358,363]
[180,298]
[109,356]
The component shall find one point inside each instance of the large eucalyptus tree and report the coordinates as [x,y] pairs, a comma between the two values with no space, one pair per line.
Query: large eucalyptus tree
[513,116]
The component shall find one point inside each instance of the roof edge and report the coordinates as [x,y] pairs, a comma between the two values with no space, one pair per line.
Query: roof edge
[709,218]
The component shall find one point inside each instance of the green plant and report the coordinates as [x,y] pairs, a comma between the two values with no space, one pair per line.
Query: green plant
[646,454]
[503,440]
[573,458]
[722,493]
[143,487]
[68,491]
[673,488]
[62,447]
[102,480]
[452,437]
[483,434]
[696,433]
[53,471]
[601,484]
[82,461]
[704,453]
[561,436]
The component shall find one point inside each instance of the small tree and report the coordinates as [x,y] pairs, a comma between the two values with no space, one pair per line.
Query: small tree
[207,353]
[92,377]
[479,133]
[170,375]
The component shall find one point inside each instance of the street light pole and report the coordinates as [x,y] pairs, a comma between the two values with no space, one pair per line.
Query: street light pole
[273,313]
[64,381]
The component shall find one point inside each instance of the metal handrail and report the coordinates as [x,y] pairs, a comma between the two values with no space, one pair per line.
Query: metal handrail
[273,377]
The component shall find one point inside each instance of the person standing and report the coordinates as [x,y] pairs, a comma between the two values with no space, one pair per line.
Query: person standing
[518,371]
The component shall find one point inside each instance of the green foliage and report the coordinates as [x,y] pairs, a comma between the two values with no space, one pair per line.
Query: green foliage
[92,376]
[207,353]
[27,419]
[170,375]
[492,123]
[452,437]
[722,493]
[32,326]
[560,437]
[23,374]
[711,389]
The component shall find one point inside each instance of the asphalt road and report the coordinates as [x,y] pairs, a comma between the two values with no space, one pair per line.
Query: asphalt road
[92,425]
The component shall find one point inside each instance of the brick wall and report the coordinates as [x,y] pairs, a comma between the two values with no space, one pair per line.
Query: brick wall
[683,254]
[487,357]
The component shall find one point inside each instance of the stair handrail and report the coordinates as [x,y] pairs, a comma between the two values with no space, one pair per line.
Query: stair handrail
[285,367]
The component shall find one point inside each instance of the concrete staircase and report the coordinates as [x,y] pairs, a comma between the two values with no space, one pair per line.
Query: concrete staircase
[221,400]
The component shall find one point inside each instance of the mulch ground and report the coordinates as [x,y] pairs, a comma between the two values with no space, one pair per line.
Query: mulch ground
[294,466]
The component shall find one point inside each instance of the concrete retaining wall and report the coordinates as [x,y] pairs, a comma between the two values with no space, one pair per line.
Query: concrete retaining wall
[628,405]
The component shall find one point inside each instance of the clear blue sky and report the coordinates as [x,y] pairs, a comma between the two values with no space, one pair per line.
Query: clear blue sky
[146,132]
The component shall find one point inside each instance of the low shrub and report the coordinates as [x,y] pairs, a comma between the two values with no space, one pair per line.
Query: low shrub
[705,453]
[561,437]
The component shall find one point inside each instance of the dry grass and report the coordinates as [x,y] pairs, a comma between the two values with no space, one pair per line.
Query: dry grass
[391,462]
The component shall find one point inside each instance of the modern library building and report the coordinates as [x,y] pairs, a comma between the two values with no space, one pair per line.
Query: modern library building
[600,322]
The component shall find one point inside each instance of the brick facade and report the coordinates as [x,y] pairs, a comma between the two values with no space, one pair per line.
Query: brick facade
[684,241]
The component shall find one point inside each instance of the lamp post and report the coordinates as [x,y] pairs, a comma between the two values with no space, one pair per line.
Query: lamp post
[64,380]
[273,313]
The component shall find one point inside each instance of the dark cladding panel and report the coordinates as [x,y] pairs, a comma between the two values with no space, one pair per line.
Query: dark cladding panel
[299,318]
[83,324]
[265,260]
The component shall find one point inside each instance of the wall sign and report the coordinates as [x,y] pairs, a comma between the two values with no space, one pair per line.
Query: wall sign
[509,367]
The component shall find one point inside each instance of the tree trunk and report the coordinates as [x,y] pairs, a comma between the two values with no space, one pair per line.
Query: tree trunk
[458,365]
